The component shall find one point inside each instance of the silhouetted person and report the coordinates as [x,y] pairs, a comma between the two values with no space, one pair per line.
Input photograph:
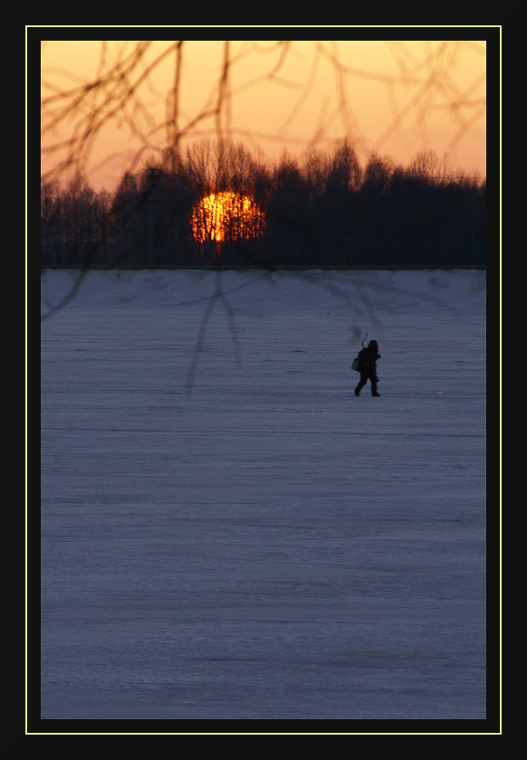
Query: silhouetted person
[368,367]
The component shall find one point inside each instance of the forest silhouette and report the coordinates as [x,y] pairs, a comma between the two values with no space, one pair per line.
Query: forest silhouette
[326,211]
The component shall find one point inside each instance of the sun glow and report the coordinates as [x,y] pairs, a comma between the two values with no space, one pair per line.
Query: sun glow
[227,216]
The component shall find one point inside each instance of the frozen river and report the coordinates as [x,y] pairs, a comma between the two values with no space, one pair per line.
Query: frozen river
[227,532]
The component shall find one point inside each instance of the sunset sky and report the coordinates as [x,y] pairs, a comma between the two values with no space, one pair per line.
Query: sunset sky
[394,98]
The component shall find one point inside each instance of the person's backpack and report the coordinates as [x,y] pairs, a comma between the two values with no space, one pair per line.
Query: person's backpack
[358,363]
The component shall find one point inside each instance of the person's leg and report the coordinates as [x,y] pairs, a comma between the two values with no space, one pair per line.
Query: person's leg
[362,383]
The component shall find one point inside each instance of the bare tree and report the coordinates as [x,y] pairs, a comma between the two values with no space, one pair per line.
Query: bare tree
[122,89]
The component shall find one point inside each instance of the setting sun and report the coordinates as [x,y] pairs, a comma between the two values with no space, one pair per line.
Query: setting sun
[227,216]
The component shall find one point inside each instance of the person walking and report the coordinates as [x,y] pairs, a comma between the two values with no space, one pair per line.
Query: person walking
[368,367]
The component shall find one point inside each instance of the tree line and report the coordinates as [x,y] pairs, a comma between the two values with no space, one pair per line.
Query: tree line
[323,211]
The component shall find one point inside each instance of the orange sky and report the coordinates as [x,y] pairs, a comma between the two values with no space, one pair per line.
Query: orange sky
[392,97]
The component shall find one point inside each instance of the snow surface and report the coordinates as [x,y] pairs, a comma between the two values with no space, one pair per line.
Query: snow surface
[227,531]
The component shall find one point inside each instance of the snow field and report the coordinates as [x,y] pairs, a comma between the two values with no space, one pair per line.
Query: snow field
[228,532]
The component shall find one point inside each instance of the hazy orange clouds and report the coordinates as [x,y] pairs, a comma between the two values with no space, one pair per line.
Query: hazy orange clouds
[394,98]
